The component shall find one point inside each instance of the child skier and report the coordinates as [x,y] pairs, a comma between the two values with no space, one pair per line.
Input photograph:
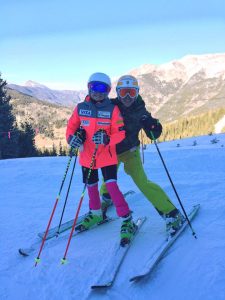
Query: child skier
[136,117]
[96,121]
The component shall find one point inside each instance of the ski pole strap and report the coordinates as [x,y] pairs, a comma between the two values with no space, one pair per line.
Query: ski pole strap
[92,163]
[170,179]
[142,147]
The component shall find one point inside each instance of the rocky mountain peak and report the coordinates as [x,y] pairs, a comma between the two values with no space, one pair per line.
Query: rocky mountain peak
[33,84]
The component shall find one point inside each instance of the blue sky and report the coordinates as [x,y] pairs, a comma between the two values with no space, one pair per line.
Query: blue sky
[61,43]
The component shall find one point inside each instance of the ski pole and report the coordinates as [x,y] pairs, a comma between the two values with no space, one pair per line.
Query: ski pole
[67,194]
[170,179]
[142,148]
[64,260]
[37,259]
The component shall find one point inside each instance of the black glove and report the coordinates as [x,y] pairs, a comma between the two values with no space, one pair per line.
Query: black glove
[151,126]
[101,137]
[76,140]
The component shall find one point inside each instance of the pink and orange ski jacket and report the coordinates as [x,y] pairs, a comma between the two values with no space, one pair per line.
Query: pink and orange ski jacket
[92,117]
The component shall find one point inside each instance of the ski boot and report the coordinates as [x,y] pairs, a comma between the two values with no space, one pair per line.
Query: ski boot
[94,217]
[174,221]
[128,229]
[106,202]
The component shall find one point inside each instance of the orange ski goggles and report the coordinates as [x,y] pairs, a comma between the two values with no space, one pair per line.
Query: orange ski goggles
[123,92]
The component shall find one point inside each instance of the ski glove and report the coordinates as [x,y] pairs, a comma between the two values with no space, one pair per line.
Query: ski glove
[152,127]
[101,137]
[76,140]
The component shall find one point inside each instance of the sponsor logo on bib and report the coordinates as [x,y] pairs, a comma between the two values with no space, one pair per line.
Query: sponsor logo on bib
[84,112]
[85,122]
[103,123]
[104,114]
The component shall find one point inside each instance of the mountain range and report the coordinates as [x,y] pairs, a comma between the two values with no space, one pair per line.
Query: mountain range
[42,92]
[189,86]
[184,87]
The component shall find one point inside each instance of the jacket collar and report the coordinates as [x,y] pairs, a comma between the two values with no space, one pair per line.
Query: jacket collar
[139,102]
[101,104]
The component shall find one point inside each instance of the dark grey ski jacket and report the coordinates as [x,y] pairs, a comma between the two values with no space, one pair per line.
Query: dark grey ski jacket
[132,120]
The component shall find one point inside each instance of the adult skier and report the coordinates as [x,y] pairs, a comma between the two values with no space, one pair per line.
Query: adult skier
[97,121]
[136,117]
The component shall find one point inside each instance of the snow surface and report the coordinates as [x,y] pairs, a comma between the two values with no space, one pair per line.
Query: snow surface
[192,269]
[220,125]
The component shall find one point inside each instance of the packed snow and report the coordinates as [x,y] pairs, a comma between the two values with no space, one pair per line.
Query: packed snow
[191,269]
[220,125]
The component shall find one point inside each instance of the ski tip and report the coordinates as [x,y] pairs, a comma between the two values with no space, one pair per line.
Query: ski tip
[136,278]
[102,286]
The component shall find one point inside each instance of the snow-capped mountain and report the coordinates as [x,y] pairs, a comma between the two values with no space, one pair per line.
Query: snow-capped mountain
[34,84]
[212,64]
[42,92]
[193,84]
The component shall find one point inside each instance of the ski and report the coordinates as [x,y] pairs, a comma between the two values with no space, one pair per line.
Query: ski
[108,276]
[54,232]
[28,251]
[158,255]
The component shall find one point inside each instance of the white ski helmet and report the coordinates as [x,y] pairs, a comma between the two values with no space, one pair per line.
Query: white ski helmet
[100,77]
[127,81]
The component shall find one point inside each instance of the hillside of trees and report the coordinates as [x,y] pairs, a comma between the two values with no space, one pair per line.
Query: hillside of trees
[48,120]
[202,124]
[24,119]
[15,141]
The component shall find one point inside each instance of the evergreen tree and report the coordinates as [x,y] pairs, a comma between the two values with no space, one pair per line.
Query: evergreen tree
[62,151]
[27,141]
[53,152]
[46,152]
[8,130]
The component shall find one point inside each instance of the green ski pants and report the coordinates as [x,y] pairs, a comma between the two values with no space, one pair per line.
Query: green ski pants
[153,192]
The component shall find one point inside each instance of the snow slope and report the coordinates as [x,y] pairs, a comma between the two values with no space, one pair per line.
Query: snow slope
[220,125]
[192,269]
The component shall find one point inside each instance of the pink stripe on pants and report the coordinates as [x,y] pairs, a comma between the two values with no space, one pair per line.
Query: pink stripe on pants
[94,202]
[117,197]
